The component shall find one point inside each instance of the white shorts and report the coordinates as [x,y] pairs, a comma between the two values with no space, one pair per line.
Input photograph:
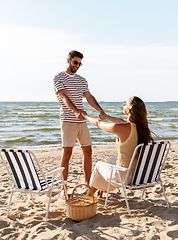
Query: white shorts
[75,131]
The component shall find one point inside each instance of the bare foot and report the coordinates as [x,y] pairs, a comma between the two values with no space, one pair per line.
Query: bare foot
[62,194]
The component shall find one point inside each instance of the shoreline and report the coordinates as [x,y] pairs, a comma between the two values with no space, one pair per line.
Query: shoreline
[94,144]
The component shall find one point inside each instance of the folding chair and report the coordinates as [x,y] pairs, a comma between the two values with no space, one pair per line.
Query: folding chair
[151,159]
[21,166]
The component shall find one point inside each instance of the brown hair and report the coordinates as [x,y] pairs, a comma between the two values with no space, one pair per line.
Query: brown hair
[139,116]
[74,53]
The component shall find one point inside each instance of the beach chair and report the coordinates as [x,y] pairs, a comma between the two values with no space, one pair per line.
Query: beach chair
[151,159]
[28,177]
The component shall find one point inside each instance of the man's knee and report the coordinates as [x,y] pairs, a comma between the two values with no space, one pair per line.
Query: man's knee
[87,151]
[67,152]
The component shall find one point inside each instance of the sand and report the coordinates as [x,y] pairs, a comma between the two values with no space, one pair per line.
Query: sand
[150,219]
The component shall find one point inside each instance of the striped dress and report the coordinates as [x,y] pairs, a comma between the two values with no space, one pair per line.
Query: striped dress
[75,86]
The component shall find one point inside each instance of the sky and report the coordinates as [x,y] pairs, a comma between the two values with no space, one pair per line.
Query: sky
[130,47]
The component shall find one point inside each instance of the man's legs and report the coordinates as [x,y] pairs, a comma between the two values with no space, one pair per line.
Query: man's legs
[69,134]
[66,154]
[87,163]
[85,142]
[71,131]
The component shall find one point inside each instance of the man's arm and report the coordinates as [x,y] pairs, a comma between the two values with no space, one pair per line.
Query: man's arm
[66,100]
[92,101]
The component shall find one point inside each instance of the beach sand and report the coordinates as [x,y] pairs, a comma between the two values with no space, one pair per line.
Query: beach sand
[150,219]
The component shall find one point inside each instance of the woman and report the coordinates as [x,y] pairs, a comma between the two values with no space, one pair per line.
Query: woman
[129,133]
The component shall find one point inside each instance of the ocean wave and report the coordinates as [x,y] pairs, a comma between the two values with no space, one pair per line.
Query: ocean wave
[9,139]
[45,129]
[46,111]
[113,110]
[38,116]
[173,109]
[156,119]
[174,126]
[16,139]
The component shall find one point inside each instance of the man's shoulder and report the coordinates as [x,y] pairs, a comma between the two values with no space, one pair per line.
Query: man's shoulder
[80,77]
[60,75]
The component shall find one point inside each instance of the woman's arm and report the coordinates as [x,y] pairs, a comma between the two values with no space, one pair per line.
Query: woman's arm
[112,119]
[107,127]
[121,129]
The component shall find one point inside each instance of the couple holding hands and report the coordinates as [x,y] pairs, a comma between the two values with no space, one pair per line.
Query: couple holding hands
[70,89]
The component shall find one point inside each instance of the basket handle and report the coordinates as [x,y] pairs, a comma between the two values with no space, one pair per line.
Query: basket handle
[83,185]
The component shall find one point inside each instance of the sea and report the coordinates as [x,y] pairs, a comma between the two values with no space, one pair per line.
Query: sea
[37,124]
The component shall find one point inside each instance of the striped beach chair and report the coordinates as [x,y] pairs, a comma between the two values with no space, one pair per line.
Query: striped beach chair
[28,177]
[151,159]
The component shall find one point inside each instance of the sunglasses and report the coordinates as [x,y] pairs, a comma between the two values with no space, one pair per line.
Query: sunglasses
[77,63]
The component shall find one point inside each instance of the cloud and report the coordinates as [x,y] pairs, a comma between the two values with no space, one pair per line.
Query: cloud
[32,42]
[19,35]
[31,56]
[21,41]
[119,55]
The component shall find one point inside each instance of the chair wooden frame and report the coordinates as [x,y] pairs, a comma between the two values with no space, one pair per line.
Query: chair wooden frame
[150,163]
[22,171]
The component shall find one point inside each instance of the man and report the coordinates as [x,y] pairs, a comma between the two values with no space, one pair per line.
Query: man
[70,88]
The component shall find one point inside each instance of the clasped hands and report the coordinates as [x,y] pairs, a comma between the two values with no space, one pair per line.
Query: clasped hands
[82,115]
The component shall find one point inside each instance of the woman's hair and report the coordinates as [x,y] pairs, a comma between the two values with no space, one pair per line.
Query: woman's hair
[139,116]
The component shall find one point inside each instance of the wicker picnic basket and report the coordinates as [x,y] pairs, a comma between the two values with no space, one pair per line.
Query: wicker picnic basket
[81,207]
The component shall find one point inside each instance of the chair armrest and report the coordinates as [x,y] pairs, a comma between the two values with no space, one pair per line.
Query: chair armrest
[55,171]
[119,168]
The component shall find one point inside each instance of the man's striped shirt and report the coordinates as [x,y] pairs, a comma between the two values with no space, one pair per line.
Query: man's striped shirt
[75,86]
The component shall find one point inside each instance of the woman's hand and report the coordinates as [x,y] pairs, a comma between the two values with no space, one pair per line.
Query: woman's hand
[94,121]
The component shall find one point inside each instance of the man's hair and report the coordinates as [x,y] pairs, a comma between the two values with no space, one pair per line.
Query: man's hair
[74,53]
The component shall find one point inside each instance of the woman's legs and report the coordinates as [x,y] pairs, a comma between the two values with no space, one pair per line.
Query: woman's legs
[89,192]
[100,177]
[110,160]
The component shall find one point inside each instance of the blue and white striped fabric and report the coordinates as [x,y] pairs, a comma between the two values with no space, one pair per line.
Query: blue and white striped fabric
[149,162]
[23,169]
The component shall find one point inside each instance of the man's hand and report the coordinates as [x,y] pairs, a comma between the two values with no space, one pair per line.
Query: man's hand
[103,115]
[80,114]
[101,112]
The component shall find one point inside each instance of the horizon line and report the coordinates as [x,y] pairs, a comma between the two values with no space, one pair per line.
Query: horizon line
[83,101]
